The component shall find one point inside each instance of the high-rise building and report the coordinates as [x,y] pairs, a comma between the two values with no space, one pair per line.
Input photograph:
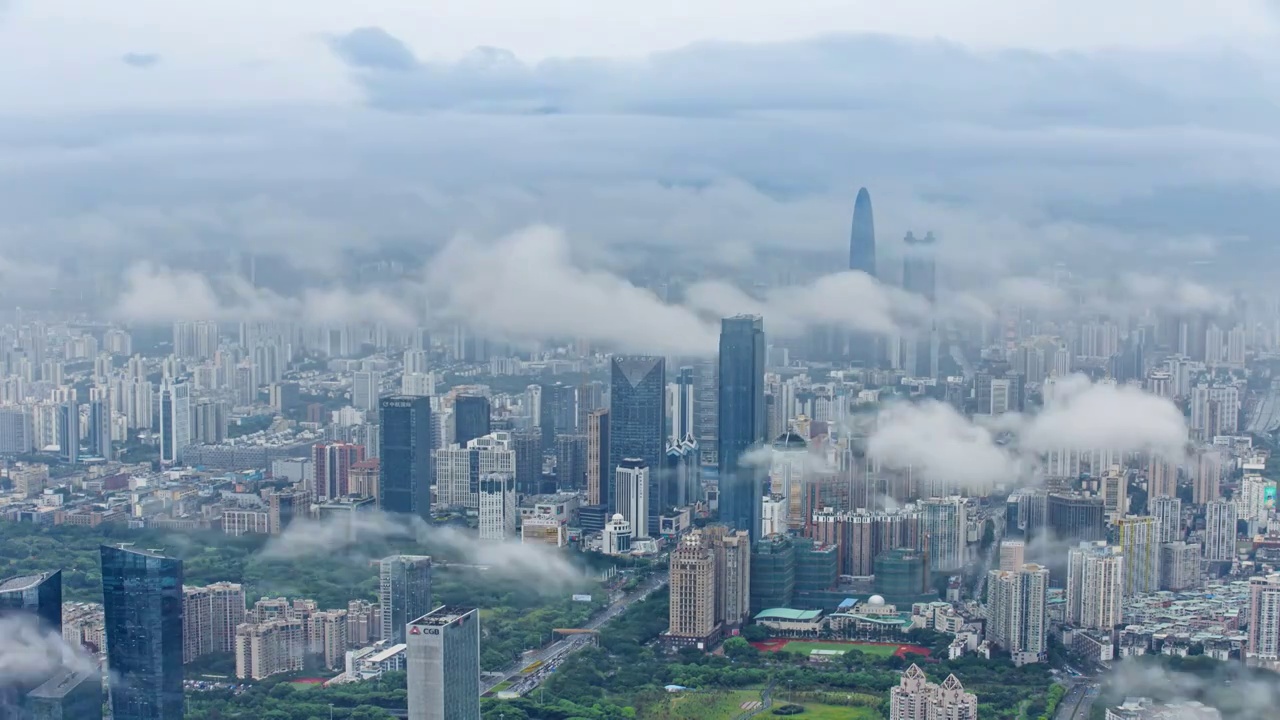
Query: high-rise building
[683,455]
[99,435]
[529,461]
[742,421]
[1168,512]
[637,418]
[915,698]
[142,619]
[208,422]
[733,574]
[1016,612]
[175,421]
[860,537]
[1076,518]
[39,595]
[444,665]
[405,455]
[1162,478]
[945,527]
[68,695]
[631,487]
[1013,555]
[1264,621]
[282,507]
[498,510]
[1095,586]
[920,346]
[598,468]
[571,462]
[459,469]
[270,646]
[693,591]
[365,388]
[1220,531]
[69,429]
[862,237]
[471,415]
[557,413]
[1139,540]
[773,573]
[332,462]
[1179,566]
[404,592]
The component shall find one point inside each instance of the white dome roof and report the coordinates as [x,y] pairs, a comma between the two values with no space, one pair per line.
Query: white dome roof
[617,517]
[876,600]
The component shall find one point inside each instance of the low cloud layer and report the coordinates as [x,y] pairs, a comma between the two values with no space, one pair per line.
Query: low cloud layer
[142,61]
[31,653]
[350,536]
[933,439]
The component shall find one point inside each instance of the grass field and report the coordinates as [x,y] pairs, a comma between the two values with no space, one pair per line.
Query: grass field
[814,711]
[724,705]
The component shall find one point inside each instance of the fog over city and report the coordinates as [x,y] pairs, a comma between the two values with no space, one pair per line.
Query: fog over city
[516,359]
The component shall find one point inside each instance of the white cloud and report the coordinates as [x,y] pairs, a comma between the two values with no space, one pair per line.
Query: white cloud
[31,653]
[1083,415]
[941,445]
[1179,295]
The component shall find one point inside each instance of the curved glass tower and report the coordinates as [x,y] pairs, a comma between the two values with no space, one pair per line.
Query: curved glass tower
[862,238]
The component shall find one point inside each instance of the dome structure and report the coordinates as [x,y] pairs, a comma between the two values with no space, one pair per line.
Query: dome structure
[789,441]
[876,600]
[617,517]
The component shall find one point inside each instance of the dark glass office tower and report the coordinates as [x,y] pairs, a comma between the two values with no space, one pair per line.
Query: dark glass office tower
[742,420]
[528,447]
[404,592]
[558,414]
[920,276]
[470,418]
[142,616]
[637,421]
[405,454]
[39,595]
[862,238]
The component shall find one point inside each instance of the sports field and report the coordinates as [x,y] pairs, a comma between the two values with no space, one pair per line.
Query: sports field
[834,647]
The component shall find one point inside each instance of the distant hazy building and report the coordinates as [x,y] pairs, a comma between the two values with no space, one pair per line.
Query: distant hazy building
[1264,621]
[1168,513]
[471,418]
[945,526]
[599,472]
[1013,555]
[142,617]
[443,657]
[332,462]
[862,237]
[365,388]
[1179,566]
[175,421]
[404,592]
[742,420]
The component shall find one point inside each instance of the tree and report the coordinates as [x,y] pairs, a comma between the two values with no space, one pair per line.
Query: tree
[735,648]
[755,633]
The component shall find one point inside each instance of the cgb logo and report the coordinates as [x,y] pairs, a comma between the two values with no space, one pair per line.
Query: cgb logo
[414,630]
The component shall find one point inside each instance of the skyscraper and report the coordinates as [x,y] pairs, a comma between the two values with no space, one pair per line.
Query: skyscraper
[598,470]
[944,527]
[470,418]
[1095,586]
[683,455]
[175,421]
[459,469]
[69,429]
[444,665]
[742,420]
[1016,612]
[636,424]
[557,413]
[332,463]
[404,592]
[693,591]
[920,346]
[915,698]
[1264,621]
[1139,540]
[1168,512]
[365,388]
[142,618]
[497,506]
[1220,517]
[631,485]
[862,237]
[40,595]
[99,423]
[404,484]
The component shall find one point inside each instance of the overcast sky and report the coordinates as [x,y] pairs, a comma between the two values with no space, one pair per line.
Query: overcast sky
[1021,132]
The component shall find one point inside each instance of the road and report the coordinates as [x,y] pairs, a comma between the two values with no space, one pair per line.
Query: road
[551,655]
[1078,701]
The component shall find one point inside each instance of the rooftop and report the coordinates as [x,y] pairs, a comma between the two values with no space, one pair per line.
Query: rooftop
[444,615]
[788,614]
[22,582]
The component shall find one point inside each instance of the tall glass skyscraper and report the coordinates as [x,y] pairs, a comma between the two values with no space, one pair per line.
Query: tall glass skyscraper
[742,420]
[637,421]
[443,657]
[40,595]
[404,592]
[142,616]
[862,237]
[470,418]
[405,454]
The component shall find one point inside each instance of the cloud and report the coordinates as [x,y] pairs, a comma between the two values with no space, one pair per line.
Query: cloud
[31,653]
[526,286]
[373,48]
[1082,415]
[941,445]
[349,537]
[1179,295]
[155,294]
[1224,686]
[141,61]
[1030,292]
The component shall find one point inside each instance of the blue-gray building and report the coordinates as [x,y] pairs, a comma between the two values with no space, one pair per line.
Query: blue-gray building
[742,420]
[471,415]
[443,665]
[637,424]
[68,695]
[862,237]
[404,478]
[40,595]
[142,617]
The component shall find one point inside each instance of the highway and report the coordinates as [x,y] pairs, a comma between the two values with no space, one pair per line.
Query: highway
[1264,416]
[1078,701]
[551,655]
